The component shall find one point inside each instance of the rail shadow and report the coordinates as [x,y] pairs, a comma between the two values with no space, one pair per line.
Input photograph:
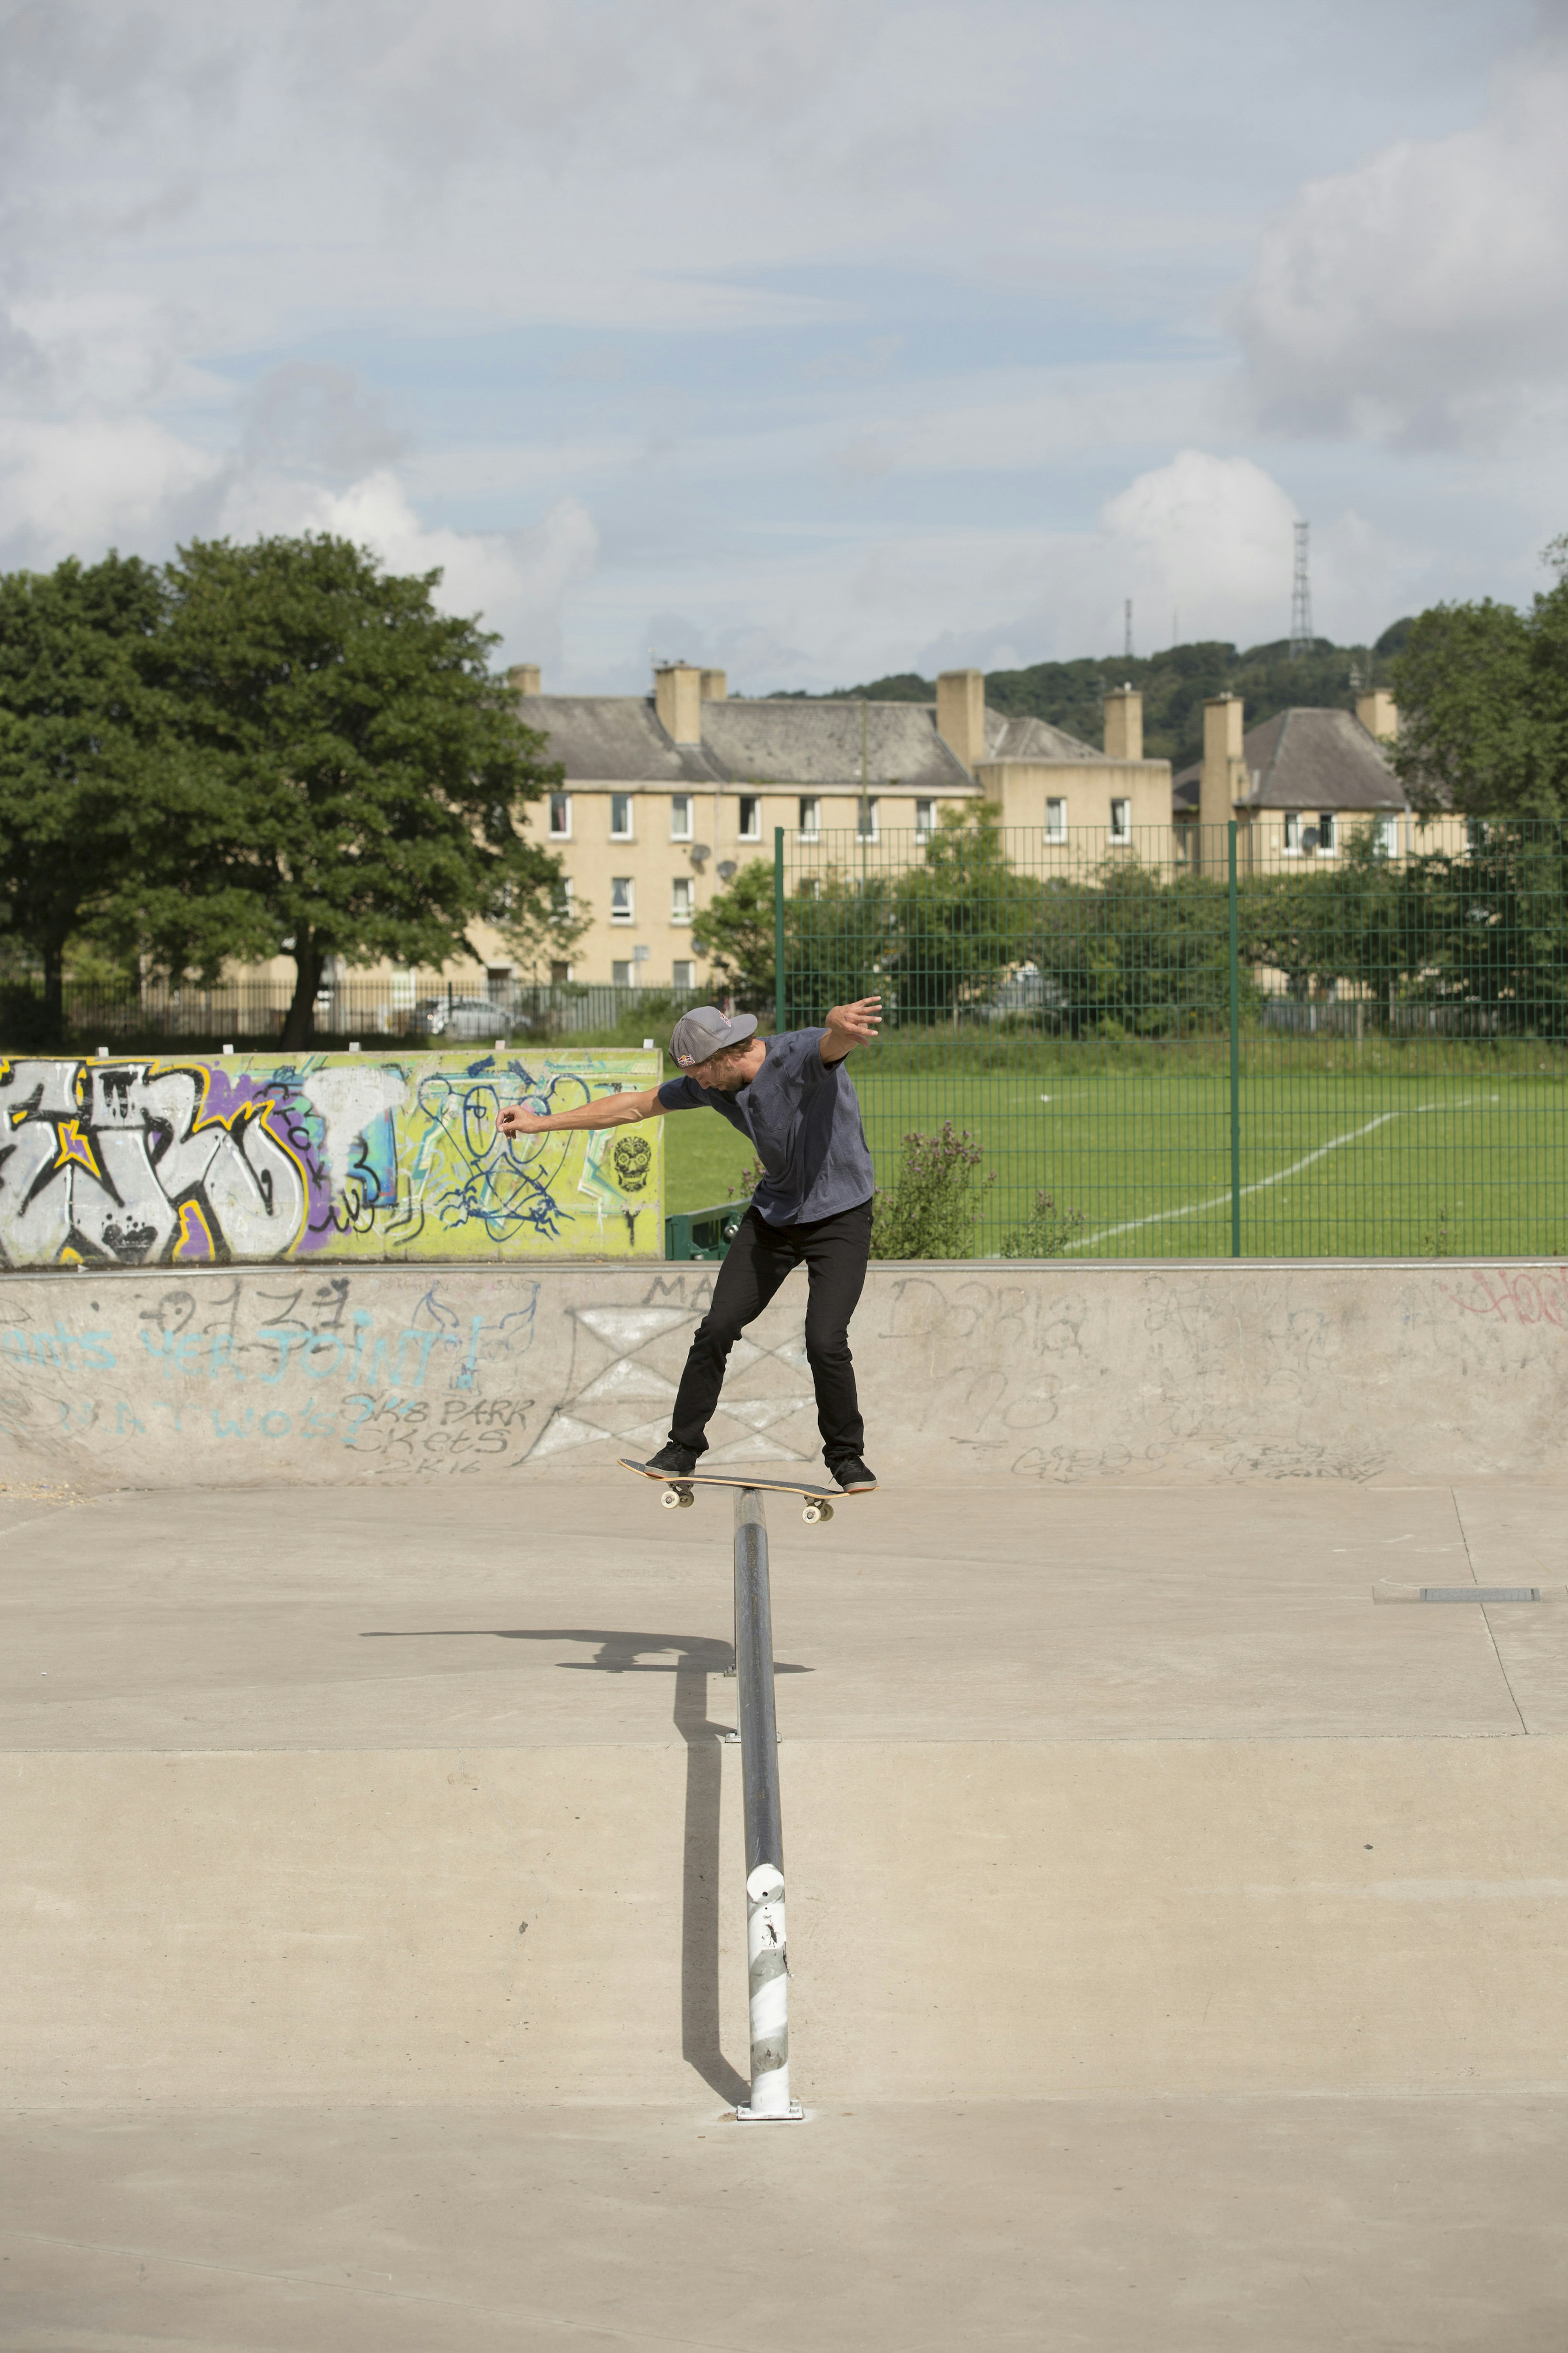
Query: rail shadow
[695,1658]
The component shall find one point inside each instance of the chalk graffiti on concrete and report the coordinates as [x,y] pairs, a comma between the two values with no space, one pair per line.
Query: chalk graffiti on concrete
[626,1365]
[256,1367]
[252,1158]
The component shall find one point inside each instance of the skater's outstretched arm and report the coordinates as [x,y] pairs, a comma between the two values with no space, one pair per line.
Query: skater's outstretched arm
[850,1026]
[607,1110]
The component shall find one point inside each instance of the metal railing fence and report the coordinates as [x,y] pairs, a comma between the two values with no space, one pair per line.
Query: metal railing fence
[1202,1041]
[373,1009]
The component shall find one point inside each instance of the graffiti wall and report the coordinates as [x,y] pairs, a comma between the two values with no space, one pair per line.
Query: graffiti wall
[323,1158]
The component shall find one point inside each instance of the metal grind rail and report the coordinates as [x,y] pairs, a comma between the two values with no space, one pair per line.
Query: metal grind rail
[766,1950]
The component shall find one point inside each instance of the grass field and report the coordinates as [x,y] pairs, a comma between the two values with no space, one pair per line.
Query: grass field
[1399,1162]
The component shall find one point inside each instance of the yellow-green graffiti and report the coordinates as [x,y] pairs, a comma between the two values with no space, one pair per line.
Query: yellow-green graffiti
[250,1158]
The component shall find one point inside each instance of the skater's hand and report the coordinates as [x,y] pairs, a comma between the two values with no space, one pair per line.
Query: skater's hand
[518,1120]
[851,1025]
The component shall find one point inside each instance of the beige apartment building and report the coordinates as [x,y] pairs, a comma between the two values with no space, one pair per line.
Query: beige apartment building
[1298,785]
[667,796]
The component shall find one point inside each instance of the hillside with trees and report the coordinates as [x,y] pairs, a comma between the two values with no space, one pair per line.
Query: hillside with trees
[1174,685]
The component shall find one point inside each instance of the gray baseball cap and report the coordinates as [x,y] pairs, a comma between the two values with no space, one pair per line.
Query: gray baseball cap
[704,1031]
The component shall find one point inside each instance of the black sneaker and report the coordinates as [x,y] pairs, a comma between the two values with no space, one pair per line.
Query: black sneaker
[675,1462]
[854,1477]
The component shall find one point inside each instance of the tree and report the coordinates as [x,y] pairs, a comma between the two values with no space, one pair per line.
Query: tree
[1483,705]
[359,774]
[86,810]
[960,919]
[736,932]
[1130,956]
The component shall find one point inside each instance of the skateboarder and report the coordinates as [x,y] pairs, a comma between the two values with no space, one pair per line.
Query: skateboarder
[792,1098]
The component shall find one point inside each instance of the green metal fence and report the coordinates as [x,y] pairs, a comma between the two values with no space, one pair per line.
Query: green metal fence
[422,1008]
[1253,1041]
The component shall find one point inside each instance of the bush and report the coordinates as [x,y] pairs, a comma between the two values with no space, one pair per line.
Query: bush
[932,1208]
[1046,1232]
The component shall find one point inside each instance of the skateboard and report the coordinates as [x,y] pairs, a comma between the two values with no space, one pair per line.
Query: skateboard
[819,1504]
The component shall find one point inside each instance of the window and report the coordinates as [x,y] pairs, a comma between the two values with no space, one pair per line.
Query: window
[1121,820]
[621,974]
[751,817]
[865,820]
[1056,820]
[1328,835]
[1292,835]
[620,817]
[561,817]
[1388,836]
[810,819]
[680,893]
[925,816]
[680,816]
[623,900]
[683,973]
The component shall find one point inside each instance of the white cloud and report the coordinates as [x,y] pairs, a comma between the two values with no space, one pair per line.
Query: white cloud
[896,289]
[516,581]
[1422,299]
[80,485]
[1210,536]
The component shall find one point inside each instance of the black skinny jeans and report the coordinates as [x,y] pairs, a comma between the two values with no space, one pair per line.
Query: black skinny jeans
[834,1252]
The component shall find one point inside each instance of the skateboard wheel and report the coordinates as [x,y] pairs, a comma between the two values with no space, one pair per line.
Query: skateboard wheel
[670,1500]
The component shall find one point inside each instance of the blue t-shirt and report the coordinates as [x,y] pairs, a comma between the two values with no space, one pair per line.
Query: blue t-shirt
[804,1116]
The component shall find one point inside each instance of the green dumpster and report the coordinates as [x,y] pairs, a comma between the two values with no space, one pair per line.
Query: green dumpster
[703,1233]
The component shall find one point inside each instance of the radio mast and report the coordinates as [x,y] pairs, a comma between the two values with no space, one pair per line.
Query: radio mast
[1301,599]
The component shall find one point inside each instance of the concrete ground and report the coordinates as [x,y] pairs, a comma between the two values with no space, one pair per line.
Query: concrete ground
[1178,1930]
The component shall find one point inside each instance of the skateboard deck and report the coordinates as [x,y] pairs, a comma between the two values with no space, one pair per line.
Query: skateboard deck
[818,1499]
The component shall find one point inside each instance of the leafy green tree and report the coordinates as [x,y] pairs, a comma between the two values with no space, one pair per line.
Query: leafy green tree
[359,775]
[1473,735]
[736,932]
[1131,956]
[1486,930]
[86,811]
[959,920]
[1483,705]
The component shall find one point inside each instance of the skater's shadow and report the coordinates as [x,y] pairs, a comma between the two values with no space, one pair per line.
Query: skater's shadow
[691,1659]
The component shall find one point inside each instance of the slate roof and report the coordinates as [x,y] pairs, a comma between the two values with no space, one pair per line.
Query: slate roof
[819,744]
[1308,759]
[1032,739]
[617,739]
[614,739]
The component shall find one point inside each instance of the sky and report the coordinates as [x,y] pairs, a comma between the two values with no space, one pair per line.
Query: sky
[810,338]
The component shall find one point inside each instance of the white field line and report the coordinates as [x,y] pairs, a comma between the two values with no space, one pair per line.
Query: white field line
[1194,1208]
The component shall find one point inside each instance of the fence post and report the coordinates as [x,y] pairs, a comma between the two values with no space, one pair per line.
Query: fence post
[766,1950]
[778,929]
[1234,1054]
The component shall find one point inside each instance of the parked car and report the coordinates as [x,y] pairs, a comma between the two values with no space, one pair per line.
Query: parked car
[461,1016]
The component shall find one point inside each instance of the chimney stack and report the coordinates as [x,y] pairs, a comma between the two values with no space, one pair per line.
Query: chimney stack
[678,699]
[960,715]
[1124,724]
[1222,781]
[1378,712]
[523,678]
[715,686]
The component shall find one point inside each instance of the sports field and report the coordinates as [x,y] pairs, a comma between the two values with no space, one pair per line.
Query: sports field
[1333,1163]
